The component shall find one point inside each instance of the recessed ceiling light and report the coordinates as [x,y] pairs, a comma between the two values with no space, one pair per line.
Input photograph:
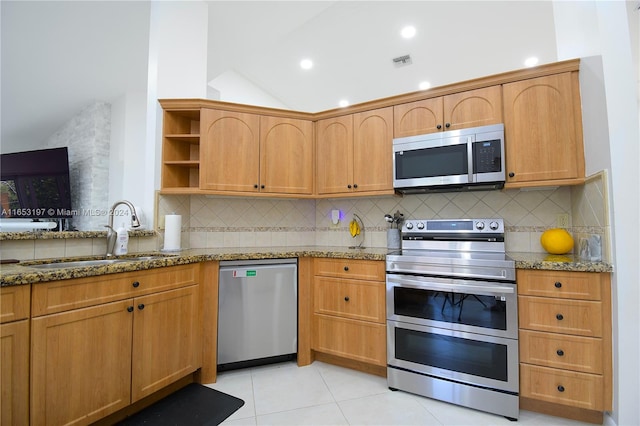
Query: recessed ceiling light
[343,103]
[306,64]
[408,32]
[424,85]
[531,62]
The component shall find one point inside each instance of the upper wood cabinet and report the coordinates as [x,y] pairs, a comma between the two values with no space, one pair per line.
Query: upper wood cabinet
[353,153]
[543,131]
[180,149]
[286,156]
[243,152]
[471,108]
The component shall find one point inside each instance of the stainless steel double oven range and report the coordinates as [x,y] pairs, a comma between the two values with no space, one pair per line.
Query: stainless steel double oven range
[452,324]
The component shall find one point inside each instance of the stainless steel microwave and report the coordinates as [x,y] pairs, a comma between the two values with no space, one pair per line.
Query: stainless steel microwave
[456,160]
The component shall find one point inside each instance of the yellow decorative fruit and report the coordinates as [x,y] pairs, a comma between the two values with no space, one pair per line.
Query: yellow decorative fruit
[556,241]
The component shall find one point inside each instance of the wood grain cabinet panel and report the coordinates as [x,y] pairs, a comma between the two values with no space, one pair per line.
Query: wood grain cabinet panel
[349,311]
[543,131]
[14,372]
[471,108]
[15,303]
[565,343]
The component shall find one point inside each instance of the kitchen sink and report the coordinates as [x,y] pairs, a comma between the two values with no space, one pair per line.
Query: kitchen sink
[92,262]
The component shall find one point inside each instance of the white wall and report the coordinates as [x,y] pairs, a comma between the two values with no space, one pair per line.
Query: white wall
[233,87]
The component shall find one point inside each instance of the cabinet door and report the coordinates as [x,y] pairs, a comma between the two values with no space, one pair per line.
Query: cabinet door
[334,161]
[166,339]
[14,373]
[286,156]
[417,118]
[473,108]
[541,130]
[81,364]
[229,151]
[372,150]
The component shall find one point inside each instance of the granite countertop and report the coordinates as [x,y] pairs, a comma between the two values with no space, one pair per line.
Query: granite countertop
[22,273]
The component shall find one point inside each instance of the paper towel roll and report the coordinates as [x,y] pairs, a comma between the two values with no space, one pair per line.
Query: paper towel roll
[172,231]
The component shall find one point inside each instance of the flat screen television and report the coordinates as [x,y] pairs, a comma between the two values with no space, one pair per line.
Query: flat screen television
[35,184]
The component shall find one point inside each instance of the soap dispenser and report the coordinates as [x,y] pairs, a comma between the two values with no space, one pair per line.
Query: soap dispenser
[122,241]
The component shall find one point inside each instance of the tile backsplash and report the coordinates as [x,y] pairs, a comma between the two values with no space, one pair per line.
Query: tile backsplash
[262,222]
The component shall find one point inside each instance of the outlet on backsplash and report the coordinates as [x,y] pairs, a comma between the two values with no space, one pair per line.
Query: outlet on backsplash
[562,220]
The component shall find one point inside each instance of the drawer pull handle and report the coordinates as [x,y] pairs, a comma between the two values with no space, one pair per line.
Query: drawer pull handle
[135,284]
[346,298]
[346,268]
[130,309]
[560,388]
[558,284]
[560,352]
[141,306]
[559,317]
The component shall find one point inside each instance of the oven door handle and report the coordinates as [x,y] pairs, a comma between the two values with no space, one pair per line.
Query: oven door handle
[485,289]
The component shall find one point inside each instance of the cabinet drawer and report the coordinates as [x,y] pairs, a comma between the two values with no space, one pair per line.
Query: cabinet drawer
[357,340]
[578,317]
[361,300]
[349,268]
[562,387]
[565,285]
[14,303]
[561,351]
[58,296]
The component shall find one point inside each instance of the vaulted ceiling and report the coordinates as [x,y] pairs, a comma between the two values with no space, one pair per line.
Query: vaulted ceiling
[58,57]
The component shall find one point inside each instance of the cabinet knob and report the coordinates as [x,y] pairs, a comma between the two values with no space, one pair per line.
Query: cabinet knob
[346,298]
[439,126]
[558,284]
[130,309]
[349,186]
[560,352]
[447,125]
[346,268]
[511,174]
[355,185]
[135,284]
[261,186]
[141,306]
[560,388]
[255,186]
[559,317]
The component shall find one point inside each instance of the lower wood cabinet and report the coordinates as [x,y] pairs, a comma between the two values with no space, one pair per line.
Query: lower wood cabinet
[14,348]
[94,360]
[348,318]
[565,343]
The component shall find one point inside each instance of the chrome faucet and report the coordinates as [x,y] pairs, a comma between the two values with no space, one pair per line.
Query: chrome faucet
[111,233]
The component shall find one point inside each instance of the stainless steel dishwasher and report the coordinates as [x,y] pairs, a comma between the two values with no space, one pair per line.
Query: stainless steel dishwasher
[257,312]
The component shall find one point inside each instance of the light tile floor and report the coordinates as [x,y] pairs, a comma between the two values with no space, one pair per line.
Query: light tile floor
[324,394]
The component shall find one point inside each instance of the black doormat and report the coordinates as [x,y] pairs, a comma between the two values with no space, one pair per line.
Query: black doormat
[192,405]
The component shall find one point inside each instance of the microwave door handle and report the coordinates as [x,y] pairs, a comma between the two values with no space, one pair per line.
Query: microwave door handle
[470,159]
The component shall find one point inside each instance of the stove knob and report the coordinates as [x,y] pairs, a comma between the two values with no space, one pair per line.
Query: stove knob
[494,225]
[409,225]
[420,225]
[480,226]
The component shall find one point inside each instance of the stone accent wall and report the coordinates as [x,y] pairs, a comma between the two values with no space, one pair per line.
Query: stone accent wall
[87,136]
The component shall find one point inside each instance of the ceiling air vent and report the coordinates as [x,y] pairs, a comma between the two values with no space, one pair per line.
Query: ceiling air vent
[401,61]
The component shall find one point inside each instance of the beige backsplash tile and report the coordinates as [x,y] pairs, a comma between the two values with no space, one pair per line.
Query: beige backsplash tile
[17,249]
[45,249]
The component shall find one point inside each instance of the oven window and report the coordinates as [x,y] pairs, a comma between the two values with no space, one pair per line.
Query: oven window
[459,308]
[467,356]
[431,162]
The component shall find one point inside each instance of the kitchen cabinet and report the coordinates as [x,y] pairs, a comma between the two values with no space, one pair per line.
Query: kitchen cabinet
[472,108]
[353,154]
[14,349]
[109,341]
[349,319]
[543,131]
[249,153]
[180,149]
[565,343]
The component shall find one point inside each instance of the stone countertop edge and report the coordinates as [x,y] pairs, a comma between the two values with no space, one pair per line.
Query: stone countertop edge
[21,274]
[67,235]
